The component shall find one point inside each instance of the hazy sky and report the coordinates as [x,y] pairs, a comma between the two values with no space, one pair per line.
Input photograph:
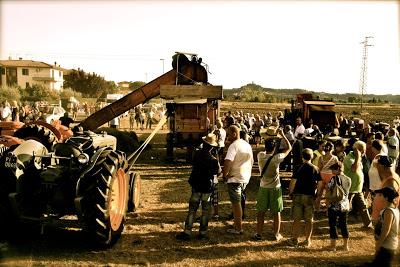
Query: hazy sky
[312,45]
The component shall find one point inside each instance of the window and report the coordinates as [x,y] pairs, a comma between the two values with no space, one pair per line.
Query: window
[59,74]
[27,85]
[25,72]
[3,71]
[52,73]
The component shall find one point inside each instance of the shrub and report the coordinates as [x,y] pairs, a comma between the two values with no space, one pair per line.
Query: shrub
[40,92]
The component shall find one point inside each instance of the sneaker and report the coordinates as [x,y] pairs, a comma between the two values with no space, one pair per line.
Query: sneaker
[234,231]
[278,237]
[183,236]
[257,237]
[215,217]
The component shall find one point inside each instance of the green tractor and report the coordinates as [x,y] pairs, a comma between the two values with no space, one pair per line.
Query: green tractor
[84,177]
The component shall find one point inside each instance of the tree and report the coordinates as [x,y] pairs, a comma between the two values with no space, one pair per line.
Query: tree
[68,92]
[9,93]
[39,92]
[89,84]
[135,85]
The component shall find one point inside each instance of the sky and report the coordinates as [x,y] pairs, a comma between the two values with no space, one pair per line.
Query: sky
[313,45]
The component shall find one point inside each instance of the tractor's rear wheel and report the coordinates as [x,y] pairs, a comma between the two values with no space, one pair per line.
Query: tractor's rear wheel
[38,133]
[106,199]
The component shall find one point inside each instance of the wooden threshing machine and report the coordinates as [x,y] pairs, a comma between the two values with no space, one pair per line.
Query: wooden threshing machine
[192,111]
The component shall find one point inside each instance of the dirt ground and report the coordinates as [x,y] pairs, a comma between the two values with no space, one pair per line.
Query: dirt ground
[149,235]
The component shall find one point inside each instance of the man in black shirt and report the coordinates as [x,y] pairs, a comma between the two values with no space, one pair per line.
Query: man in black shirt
[65,120]
[205,169]
[303,188]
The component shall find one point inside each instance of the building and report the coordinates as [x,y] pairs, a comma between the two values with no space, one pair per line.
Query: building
[124,84]
[25,73]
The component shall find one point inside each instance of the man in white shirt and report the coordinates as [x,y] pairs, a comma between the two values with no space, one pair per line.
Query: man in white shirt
[237,172]
[300,129]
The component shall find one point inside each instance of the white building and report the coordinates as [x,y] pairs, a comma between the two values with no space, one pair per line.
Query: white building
[25,73]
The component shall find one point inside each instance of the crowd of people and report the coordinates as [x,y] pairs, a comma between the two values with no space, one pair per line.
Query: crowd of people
[361,171]
[144,118]
[15,111]
[32,111]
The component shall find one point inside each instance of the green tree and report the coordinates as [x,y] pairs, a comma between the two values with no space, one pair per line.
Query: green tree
[68,92]
[9,93]
[40,92]
[135,85]
[89,84]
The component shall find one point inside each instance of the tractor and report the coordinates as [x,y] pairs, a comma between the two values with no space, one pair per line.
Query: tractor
[84,176]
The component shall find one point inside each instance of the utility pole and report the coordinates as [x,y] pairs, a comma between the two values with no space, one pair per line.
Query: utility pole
[162,59]
[364,62]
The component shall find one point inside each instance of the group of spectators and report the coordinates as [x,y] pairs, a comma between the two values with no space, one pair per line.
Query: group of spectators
[144,118]
[362,165]
[21,112]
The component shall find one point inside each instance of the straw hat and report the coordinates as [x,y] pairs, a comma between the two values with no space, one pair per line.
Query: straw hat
[210,139]
[269,132]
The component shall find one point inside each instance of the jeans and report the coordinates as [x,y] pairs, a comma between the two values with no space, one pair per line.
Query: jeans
[195,199]
[337,217]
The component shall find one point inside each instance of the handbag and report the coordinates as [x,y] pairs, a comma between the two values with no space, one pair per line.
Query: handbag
[335,193]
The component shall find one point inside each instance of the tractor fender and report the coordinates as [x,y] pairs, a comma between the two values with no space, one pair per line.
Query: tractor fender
[92,163]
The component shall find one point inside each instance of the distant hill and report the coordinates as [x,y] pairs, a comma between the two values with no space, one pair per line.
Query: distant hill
[256,93]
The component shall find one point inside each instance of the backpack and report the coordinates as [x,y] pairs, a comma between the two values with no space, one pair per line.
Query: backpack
[336,193]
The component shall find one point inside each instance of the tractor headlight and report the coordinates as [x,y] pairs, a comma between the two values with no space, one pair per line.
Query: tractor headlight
[83,158]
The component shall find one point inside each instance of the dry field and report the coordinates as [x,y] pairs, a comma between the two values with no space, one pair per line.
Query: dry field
[149,235]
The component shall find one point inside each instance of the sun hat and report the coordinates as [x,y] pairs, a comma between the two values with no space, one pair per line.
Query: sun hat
[269,132]
[210,139]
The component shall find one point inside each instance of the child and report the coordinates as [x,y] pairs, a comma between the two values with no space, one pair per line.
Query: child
[387,228]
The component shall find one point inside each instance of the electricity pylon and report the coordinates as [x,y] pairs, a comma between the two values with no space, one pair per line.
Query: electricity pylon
[364,63]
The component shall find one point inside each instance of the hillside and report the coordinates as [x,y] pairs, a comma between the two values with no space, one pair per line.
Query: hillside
[256,93]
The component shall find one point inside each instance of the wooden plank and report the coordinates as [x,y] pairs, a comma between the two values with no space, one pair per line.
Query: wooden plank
[187,91]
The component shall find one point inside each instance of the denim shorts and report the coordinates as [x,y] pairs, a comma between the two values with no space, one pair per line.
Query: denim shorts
[235,191]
